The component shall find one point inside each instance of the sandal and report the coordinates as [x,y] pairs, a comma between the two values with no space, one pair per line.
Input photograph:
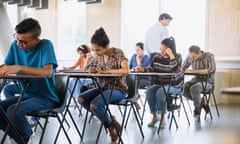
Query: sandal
[152,124]
[113,134]
[138,107]
[116,123]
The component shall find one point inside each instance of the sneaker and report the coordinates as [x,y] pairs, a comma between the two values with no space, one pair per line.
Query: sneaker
[205,106]
[173,107]
[32,121]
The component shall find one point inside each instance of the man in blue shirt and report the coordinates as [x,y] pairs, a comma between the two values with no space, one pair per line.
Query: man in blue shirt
[31,56]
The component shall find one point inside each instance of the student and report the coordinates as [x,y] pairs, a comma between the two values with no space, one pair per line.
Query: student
[82,50]
[107,61]
[166,62]
[139,59]
[84,59]
[201,62]
[30,55]
[156,34]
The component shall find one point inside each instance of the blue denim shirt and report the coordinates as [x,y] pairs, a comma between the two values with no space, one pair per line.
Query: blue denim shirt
[145,61]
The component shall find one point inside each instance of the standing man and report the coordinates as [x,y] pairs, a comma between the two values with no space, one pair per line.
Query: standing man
[201,62]
[29,55]
[156,34]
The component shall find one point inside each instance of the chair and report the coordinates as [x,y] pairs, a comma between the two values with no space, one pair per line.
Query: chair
[128,102]
[207,94]
[173,97]
[61,84]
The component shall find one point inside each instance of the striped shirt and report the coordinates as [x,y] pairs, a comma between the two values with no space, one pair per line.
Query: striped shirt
[206,61]
[165,65]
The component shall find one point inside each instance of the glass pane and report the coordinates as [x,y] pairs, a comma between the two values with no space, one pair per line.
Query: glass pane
[188,25]
[71,28]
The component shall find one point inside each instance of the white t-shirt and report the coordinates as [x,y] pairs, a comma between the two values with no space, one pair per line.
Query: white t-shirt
[154,37]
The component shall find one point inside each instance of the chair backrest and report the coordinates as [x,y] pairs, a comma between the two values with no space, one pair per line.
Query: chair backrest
[61,86]
[131,86]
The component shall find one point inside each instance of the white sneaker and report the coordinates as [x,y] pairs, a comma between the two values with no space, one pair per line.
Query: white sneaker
[34,139]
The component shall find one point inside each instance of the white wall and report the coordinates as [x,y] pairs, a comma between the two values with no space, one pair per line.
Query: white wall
[6,35]
[137,17]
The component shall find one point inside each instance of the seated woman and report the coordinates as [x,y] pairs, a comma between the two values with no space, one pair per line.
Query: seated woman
[140,60]
[82,50]
[84,59]
[165,62]
[109,61]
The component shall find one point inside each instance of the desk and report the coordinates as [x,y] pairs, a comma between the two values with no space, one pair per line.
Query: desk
[94,77]
[23,78]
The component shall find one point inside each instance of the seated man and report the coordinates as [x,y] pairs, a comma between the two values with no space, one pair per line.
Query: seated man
[201,62]
[32,56]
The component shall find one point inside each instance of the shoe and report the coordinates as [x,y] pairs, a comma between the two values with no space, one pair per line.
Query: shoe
[173,107]
[162,126]
[114,131]
[138,107]
[205,106]
[113,134]
[152,124]
[116,123]
[32,121]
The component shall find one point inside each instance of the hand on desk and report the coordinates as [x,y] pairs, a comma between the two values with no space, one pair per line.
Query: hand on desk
[139,69]
[200,71]
[6,70]
[91,70]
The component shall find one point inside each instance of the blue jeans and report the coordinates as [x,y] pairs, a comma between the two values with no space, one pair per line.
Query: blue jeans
[10,90]
[156,98]
[93,96]
[20,122]
[81,82]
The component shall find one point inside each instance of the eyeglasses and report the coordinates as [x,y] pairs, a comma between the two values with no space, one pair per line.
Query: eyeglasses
[25,43]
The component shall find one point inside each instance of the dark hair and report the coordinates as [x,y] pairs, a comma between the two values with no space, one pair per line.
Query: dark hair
[29,25]
[84,48]
[141,45]
[170,43]
[165,16]
[100,38]
[195,49]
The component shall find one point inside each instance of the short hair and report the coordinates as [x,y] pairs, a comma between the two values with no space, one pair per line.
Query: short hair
[100,38]
[170,43]
[83,48]
[29,25]
[141,45]
[165,16]
[195,49]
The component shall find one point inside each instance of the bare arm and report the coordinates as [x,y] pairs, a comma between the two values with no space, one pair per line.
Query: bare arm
[72,67]
[200,71]
[13,69]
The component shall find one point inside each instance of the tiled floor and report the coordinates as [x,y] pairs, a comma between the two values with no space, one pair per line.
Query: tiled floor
[223,130]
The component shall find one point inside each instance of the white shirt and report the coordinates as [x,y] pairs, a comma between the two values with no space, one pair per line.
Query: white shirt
[154,37]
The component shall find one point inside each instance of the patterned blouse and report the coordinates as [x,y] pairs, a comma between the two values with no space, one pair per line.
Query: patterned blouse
[113,62]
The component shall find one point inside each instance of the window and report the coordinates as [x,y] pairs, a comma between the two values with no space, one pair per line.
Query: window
[137,17]
[71,29]
[188,25]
